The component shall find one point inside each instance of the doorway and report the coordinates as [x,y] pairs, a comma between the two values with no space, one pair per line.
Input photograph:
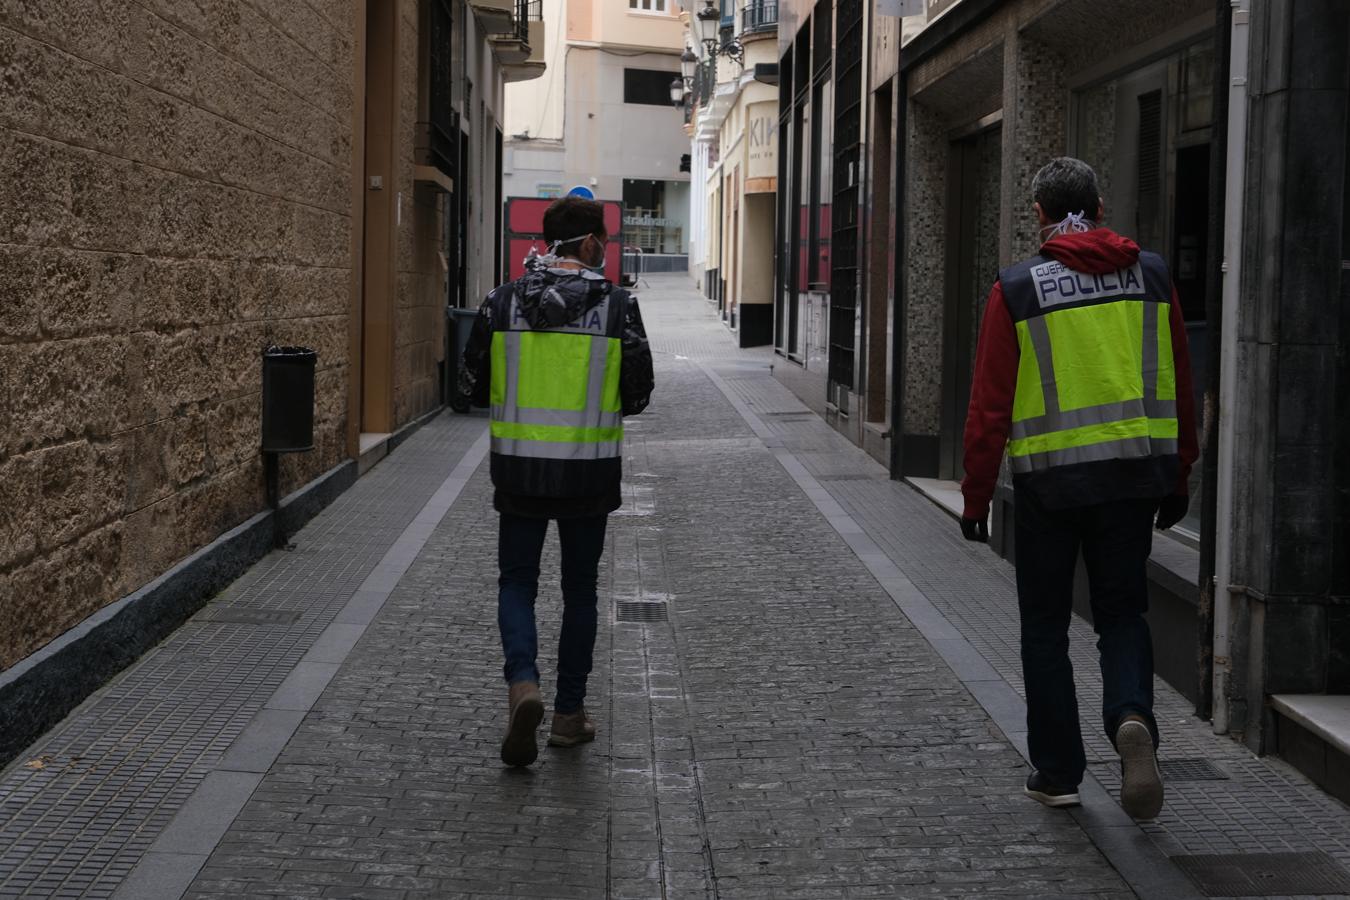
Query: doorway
[879,281]
[974,171]
[380,212]
[1190,268]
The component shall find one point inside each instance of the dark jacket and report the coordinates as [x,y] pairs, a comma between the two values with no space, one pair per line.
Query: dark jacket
[991,398]
[550,298]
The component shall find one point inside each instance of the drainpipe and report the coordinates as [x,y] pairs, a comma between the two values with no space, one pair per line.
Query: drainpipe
[1228,375]
[1209,438]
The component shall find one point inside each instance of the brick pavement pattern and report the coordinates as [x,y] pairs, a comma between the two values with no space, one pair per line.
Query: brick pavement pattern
[785,733]
[84,804]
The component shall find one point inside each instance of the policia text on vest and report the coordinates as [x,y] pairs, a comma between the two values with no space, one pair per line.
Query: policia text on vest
[1096,379]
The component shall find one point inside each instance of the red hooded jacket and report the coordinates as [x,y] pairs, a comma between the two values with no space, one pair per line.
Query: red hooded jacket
[997,354]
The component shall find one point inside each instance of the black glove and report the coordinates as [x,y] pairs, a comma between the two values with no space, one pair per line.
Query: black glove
[975,530]
[1172,510]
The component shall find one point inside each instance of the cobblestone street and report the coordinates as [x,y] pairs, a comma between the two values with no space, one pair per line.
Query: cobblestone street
[807,686]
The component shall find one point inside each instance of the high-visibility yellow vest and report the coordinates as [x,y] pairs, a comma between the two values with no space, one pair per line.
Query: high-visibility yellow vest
[1096,378]
[555,392]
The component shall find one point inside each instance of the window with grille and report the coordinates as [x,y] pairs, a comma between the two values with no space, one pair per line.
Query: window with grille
[651,6]
[844,258]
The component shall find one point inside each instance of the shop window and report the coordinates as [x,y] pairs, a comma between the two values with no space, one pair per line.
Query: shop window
[655,215]
[801,193]
[647,86]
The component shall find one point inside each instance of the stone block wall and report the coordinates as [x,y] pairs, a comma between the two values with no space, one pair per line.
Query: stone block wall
[986,233]
[925,267]
[419,322]
[174,196]
[1035,130]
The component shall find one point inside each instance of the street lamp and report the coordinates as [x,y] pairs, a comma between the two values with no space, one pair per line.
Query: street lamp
[685,83]
[688,64]
[707,24]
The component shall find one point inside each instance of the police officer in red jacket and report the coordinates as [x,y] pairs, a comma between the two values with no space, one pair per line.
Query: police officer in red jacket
[1082,376]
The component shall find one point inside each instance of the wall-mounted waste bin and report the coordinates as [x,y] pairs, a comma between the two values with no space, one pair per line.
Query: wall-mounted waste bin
[288,399]
[456,339]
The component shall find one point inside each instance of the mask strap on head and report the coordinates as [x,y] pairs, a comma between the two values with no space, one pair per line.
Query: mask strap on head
[1073,223]
[553,248]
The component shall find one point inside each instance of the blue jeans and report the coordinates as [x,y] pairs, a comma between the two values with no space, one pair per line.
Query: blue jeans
[1115,539]
[519,546]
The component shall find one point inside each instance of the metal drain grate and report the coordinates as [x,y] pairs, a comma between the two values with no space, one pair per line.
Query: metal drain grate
[245,615]
[1190,770]
[640,611]
[1264,874]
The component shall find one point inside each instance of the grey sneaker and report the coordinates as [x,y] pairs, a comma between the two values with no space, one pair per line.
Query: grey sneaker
[525,712]
[570,729]
[1141,786]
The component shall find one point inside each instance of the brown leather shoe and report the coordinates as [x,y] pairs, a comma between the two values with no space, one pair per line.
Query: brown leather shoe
[570,729]
[526,711]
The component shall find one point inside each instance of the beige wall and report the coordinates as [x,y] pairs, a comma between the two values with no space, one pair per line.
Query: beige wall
[612,22]
[175,196]
[176,192]
[419,317]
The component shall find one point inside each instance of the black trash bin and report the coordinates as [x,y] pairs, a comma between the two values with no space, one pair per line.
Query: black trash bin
[459,324]
[288,399]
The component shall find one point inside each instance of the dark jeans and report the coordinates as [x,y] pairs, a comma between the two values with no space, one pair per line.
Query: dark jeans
[1115,539]
[519,546]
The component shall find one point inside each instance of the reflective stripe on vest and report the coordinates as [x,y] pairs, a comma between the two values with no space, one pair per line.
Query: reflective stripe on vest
[1094,383]
[555,392]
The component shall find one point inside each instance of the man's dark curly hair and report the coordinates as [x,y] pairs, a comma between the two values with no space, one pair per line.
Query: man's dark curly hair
[571,217]
[1066,185]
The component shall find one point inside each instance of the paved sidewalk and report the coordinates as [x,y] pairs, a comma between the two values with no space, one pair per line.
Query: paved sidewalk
[806,685]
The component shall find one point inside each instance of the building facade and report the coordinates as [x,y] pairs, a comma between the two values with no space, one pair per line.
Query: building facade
[732,107]
[826,52]
[602,119]
[1213,146]
[185,185]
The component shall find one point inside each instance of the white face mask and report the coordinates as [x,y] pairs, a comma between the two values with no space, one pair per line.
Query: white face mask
[1075,223]
[596,268]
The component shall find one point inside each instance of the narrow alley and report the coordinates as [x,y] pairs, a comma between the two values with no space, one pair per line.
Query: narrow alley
[807,687]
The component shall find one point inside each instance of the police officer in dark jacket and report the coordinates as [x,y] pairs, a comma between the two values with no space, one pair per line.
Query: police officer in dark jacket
[560,356]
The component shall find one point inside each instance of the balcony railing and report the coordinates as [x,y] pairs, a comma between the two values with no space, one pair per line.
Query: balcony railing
[527,11]
[705,81]
[759,15]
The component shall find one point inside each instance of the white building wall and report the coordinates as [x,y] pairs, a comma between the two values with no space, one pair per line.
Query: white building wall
[608,140]
[535,108]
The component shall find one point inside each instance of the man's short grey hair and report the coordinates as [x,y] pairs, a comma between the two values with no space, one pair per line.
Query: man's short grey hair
[1066,185]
